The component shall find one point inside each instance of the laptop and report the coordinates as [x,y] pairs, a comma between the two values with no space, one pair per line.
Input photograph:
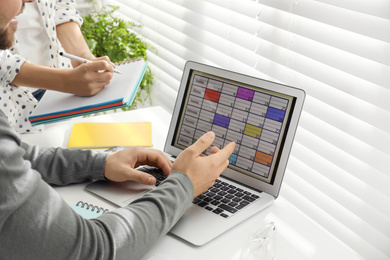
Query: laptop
[259,115]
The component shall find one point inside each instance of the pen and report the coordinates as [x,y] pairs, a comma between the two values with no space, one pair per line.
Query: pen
[72,57]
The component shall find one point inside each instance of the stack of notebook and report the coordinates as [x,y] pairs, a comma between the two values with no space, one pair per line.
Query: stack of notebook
[55,106]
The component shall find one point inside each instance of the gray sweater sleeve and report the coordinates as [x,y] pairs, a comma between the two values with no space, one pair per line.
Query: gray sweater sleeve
[35,223]
[61,166]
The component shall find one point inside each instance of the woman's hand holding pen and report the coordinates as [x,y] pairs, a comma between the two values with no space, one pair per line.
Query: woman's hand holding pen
[86,79]
[93,74]
[89,78]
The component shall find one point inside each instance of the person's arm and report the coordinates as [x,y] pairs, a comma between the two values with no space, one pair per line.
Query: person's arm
[35,223]
[65,166]
[85,80]
[73,41]
[72,166]
[68,22]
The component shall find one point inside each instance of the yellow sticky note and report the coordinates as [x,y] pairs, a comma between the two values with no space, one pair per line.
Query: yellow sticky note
[106,135]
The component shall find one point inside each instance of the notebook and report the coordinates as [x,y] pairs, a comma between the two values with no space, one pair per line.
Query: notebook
[105,135]
[55,106]
[87,210]
[259,115]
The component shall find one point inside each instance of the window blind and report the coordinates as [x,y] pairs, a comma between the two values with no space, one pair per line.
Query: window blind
[339,53]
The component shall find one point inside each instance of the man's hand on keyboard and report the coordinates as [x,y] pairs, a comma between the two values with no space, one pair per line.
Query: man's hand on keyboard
[120,166]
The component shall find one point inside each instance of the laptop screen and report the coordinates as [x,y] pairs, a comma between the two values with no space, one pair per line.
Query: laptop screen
[254,113]
[254,118]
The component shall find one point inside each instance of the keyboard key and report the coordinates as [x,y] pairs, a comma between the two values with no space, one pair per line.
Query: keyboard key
[222,193]
[203,204]
[218,197]
[208,199]
[196,201]
[224,215]
[217,185]
[228,208]
[233,204]
[218,211]
[231,191]
[210,194]
[239,194]
[241,206]
[224,188]
[237,199]
[215,202]
[229,196]
[225,200]
[250,199]
[244,202]
[201,196]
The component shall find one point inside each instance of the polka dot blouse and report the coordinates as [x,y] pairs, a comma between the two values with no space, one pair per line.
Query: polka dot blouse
[17,103]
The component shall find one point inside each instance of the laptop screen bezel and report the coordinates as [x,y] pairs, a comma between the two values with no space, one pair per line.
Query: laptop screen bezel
[298,94]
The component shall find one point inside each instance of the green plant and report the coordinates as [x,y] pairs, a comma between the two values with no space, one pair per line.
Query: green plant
[108,35]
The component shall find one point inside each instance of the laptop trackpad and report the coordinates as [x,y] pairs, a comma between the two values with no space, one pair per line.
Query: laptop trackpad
[119,193]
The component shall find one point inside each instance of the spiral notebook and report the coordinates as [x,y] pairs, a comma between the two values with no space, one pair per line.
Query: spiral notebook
[87,210]
[55,106]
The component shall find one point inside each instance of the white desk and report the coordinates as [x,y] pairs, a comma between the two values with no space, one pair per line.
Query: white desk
[297,236]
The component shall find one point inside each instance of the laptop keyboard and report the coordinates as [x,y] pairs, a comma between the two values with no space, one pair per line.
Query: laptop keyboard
[224,198]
